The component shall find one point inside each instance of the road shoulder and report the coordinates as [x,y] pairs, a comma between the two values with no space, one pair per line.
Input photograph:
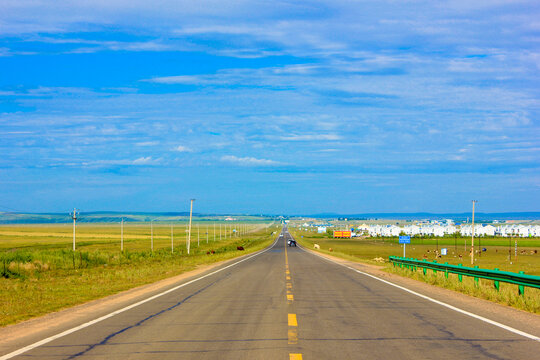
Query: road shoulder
[506,315]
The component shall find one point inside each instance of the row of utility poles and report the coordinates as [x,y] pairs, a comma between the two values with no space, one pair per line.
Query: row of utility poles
[232,231]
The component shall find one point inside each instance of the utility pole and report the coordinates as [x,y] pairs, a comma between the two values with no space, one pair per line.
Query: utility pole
[122,235]
[510,247]
[480,246]
[74,217]
[189,231]
[472,239]
[152,235]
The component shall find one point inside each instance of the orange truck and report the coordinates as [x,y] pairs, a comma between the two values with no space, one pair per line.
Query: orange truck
[342,234]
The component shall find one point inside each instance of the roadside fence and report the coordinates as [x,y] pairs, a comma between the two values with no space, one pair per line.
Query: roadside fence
[520,279]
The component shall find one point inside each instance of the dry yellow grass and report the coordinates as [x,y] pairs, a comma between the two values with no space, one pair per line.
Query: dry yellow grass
[41,274]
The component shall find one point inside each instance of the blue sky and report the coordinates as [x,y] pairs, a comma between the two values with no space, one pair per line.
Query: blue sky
[270,106]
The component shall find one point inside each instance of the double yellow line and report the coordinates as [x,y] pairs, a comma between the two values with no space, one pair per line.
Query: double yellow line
[292,321]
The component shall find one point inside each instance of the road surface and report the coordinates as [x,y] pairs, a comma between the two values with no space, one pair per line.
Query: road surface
[287,303]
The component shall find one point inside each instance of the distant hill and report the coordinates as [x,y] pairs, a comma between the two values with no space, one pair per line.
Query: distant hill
[111,216]
[104,217]
[433,216]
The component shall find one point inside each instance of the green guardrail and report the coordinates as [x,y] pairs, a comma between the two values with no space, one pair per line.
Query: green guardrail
[521,279]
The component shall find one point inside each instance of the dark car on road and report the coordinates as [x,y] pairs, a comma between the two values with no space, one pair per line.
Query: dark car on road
[291,242]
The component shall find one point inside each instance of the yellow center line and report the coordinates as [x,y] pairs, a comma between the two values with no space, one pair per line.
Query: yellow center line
[286,257]
[292,320]
[293,336]
[293,323]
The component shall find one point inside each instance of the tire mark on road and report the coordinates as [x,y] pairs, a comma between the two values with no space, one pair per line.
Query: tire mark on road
[109,337]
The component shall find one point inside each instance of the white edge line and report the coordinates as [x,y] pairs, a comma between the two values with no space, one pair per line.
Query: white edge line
[492,322]
[104,317]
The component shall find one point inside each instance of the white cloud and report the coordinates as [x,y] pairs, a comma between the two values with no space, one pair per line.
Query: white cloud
[181,79]
[182,148]
[311,137]
[147,143]
[143,160]
[249,161]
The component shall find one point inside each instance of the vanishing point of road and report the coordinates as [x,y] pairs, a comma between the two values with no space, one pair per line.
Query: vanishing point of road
[287,303]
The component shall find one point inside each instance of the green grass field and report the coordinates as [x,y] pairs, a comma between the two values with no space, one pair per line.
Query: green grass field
[496,256]
[373,250]
[41,274]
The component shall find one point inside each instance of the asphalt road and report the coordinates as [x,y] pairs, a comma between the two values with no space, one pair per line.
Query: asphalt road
[287,303]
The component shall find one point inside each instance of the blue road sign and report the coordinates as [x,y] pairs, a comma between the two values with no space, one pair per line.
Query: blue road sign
[404,239]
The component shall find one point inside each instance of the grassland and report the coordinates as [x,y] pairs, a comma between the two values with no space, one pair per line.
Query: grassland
[377,251]
[41,274]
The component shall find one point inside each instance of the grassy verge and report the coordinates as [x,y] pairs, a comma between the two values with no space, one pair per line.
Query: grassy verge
[48,276]
[376,251]
[507,294]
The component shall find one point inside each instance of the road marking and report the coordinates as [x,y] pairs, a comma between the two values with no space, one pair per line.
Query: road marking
[293,336]
[104,317]
[292,320]
[489,321]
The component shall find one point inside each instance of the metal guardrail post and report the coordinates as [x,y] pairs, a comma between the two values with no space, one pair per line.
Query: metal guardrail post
[476,277]
[460,277]
[521,288]
[446,270]
[496,282]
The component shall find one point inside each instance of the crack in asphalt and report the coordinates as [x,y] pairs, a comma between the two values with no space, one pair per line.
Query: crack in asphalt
[110,336]
[441,328]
